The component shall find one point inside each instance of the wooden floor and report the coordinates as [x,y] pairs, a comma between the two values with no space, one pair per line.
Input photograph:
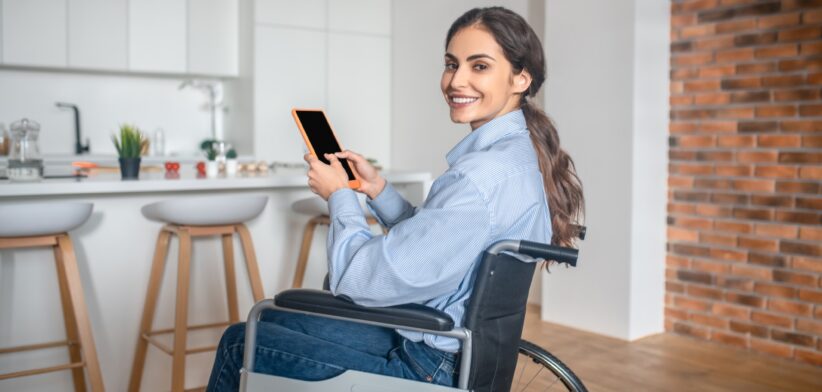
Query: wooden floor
[667,362]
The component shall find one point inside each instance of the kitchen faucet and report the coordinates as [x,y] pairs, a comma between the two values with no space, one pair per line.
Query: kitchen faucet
[214,89]
[79,148]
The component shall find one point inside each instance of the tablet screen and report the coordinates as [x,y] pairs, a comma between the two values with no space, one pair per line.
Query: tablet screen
[322,138]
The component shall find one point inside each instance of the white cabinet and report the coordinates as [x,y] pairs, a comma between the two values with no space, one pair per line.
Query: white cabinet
[303,13]
[359,92]
[290,71]
[34,32]
[157,35]
[213,37]
[363,16]
[97,34]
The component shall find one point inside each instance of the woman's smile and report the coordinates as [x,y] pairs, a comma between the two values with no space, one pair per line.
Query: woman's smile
[458,101]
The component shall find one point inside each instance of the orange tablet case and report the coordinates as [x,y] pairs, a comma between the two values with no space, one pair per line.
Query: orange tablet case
[353,184]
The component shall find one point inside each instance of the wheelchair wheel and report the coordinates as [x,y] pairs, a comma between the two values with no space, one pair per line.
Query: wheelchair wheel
[539,370]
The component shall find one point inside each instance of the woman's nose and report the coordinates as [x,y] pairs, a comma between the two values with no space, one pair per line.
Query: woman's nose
[459,78]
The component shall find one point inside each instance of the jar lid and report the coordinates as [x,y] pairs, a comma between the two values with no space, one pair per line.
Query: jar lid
[25,125]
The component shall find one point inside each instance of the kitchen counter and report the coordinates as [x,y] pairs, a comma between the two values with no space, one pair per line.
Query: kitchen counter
[108,183]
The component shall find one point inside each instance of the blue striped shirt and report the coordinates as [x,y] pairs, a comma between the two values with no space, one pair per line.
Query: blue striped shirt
[492,190]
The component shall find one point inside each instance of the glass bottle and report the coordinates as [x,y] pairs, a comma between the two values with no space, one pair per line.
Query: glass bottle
[25,162]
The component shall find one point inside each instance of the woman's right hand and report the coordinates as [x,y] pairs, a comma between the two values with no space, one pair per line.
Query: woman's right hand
[371,183]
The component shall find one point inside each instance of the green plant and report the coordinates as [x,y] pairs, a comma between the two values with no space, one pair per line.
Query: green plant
[231,154]
[131,143]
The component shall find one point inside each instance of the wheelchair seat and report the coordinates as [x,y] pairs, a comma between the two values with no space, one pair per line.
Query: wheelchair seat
[490,336]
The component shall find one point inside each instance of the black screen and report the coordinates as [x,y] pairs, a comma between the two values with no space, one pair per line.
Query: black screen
[322,138]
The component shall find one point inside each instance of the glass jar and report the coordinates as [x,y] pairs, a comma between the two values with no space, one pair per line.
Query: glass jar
[25,163]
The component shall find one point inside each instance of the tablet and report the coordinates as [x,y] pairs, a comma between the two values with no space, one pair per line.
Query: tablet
[320,139]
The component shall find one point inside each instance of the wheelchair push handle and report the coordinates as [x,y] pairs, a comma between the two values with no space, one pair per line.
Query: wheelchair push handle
[549,252]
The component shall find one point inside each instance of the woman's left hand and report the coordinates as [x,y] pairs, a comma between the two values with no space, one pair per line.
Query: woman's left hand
[325,179]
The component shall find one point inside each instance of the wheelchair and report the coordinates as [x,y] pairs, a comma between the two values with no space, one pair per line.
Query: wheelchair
[493,357]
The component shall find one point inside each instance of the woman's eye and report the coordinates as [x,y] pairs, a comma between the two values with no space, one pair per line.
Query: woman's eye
[480,67]
[450,66]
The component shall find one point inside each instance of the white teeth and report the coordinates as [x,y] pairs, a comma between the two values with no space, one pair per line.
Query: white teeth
[462,100]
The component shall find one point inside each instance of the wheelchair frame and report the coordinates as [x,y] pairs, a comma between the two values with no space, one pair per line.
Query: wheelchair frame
[352,380]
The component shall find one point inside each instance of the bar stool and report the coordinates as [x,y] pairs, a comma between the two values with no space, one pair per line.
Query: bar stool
[317,208]
[187,218]
[26,225]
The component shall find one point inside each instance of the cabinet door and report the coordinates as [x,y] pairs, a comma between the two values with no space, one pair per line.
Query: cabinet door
[359,93]
[157,35]
[303,13]
[290,71]
[34,32]
[213,37]
[363,16]
[97,37]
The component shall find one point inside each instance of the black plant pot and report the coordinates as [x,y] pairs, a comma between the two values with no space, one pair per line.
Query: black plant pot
[130,168]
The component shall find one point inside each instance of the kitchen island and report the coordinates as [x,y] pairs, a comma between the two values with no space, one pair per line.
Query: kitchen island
[114,251]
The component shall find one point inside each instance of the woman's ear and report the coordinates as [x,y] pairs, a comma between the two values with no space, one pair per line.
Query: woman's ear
[522,81]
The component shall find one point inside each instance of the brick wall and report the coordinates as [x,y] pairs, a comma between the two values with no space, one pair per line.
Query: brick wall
[744,264]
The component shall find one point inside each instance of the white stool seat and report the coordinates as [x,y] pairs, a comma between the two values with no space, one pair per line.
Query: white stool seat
[317,206]
[35,219]
[206,211]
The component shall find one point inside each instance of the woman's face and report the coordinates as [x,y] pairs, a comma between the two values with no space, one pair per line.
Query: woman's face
[478,82]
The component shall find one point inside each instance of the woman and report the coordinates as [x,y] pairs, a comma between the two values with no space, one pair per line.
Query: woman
[501,179]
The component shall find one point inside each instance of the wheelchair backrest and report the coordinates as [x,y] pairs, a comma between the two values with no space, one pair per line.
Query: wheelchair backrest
[495,316]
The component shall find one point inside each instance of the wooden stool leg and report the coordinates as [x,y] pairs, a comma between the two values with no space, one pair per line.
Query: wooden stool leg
[78,304]
[230,278]
[181,313]
[71,323]
[302,259]
[153,291]
[251,262]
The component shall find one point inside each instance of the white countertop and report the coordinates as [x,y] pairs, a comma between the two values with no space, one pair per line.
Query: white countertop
[110,183]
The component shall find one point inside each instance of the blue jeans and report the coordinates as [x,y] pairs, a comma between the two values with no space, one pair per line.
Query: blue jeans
[313,348]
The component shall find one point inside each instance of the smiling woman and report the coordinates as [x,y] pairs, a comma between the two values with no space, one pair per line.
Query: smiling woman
[495,188]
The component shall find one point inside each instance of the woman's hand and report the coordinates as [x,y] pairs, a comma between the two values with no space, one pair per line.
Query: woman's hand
[325,179]
[371,183]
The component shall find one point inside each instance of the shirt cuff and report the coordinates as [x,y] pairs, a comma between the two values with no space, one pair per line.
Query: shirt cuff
[389,204]
[344,202]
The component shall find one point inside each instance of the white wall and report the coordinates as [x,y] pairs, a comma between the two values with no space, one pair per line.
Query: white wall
[606,90]
[105,101]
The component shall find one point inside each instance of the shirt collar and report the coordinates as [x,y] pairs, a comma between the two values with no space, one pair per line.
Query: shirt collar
[488,134]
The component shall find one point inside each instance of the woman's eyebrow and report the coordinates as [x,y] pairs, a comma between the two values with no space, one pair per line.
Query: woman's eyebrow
[472,57]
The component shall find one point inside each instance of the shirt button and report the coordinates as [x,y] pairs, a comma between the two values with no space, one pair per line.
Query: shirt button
[429,378]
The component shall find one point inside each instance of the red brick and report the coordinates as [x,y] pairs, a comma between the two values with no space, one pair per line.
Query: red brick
[748,328]
[677,234]
[762,244]
[754,185]
[811,172]
[811,203]
[772,200]
[795,278]
[730,282]
[784,81]
[801,33]
[676,127]
[775,230]
[775,290]
[694,141]
[728,254]
[797,186]
[681,208]
[735,141]
[735,55]
[771,319]
[681,100]
[757,156]
[710,266]
[776,171]
[808,218]
[807,64]
[674,261]
[690,59]
[697,223]
[796,95]
[810,48]
[703,292]
[801,248]
[776,111]
[811,357]
[708,320]
[735,227]
[717,126]
[677,314]
[812,16]
[683,20]
[754,272]
[788,50]
[741,83]
[733,311]
[794,338]
[692,168]
[735,25]
[777,349]
[694,276]
[730,339]
[810,233]
[805,325]
[770,260]
[753,213]
[810,110]
[755,68]
[719,239]
[815,78]
[715,71]
[800,157]
[699,30]
[812,141]
[733,170]
[712,99]
[692,304]
[801,126]
[814,296]
[789,307]
[729,198]
[686,329]
[713,210]
[715,156]
[711,43]
[780,20]
[806,263]
[778,140]
[745,300]
[680,182]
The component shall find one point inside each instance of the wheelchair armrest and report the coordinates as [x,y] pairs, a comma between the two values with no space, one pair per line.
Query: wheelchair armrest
[324,303]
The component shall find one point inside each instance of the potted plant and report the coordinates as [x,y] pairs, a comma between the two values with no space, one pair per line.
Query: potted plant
[130,146]
[231,162]
[212,166]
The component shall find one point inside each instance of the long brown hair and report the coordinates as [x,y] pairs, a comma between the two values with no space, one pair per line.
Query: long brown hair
[523,49]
